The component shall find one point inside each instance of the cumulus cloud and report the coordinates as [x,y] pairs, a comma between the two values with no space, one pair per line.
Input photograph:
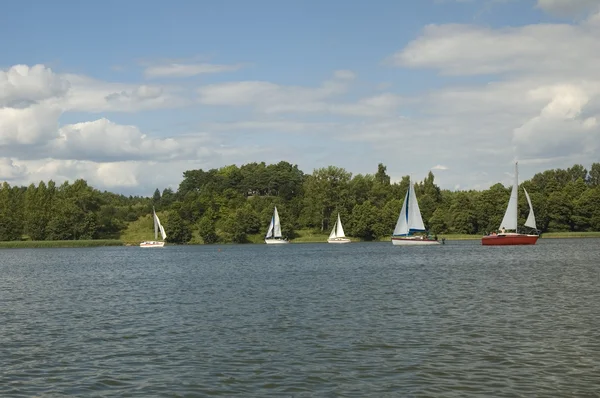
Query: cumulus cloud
[103,140]
[36,124]
[21,85]
[542,107]
[187,70]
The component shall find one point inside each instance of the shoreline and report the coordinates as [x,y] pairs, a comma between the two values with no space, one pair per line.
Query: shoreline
[28,244]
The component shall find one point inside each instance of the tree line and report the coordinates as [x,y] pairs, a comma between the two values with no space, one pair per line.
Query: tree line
[230,203]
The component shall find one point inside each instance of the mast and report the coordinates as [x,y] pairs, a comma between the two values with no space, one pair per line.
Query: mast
[155,223]
[516,209]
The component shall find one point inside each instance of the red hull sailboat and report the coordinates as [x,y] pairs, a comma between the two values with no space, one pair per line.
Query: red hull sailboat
[509,239]
[509,222]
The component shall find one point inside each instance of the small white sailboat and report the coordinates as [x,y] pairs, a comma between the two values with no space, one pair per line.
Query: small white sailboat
[509,222]
[410,221]
[337,233]
[157,227]
[274,236]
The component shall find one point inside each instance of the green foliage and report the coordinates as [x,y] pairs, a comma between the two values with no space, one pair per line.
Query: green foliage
[176,228]
[235,204]
[207,231]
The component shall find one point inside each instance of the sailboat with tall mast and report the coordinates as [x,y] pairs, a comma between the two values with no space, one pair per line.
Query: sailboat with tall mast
[337,233]
[157,228]
[509,222]
[274,236]
[411,221]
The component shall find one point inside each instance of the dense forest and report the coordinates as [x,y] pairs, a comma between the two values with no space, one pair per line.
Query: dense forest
[232,203]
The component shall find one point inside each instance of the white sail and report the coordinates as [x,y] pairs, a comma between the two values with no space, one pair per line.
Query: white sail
[410,216]
[531,217]
[339,230]
[332,234]
[162,231]
[402,223]
[158,227]
[510,217]
[276,224]
[415,221]
[270,231]
[155,217]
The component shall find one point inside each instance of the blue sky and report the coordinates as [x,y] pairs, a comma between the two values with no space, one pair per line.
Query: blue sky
[128,95]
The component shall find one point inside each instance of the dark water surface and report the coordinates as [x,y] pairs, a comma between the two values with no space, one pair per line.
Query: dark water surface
[365,319]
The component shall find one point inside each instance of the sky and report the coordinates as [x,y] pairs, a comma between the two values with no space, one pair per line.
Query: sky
[130,94]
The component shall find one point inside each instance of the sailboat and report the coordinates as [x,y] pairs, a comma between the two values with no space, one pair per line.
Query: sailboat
[273,236]
[509,222]
[409,222]
[337,233]
[157,227]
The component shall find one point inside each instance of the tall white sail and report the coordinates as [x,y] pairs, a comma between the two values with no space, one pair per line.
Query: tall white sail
[155,223]
[270,231]
[531,217]
[510,217]
[402,223]
[415,221]
[410,216]
[339,230]
[332,234]
[276,224]
[162,232]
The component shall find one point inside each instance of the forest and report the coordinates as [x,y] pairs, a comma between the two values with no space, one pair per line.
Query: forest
[234,204]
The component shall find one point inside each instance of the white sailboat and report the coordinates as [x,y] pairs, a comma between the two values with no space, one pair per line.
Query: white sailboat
[157,227]
[337,233]
[509,222]
[274,236]
[410,221]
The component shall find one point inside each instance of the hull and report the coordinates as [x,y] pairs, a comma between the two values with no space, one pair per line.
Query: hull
[152,243]
[276,241]
[338,240]
[413,241]
[509,240]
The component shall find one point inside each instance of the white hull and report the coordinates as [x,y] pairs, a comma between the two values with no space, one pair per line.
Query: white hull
[276,241]
[338,240]
[413,242]
[152,243]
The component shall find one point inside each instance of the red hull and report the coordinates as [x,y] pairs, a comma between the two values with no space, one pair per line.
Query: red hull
[506,240]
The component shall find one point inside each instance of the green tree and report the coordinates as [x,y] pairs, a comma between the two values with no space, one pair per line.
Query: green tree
[177,229]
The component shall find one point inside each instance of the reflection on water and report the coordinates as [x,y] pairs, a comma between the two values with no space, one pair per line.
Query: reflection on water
[302,320]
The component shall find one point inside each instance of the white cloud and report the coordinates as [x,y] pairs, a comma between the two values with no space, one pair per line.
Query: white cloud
[21,85]
[103,140]
[187,70]
[26,126]
[471,50]
[270,98]
[568,7]
[91,95]
[439,167]
[9,170]
[543,107]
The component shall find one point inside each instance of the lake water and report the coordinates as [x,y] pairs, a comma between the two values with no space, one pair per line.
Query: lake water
[300,320]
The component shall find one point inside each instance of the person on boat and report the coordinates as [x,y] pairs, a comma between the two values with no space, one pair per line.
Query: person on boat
[502,230]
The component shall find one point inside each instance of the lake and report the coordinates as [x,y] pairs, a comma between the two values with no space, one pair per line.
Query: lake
[300,320]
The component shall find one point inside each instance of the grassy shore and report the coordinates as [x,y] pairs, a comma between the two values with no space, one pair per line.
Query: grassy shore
[59,243]
[551,235]
[135,236]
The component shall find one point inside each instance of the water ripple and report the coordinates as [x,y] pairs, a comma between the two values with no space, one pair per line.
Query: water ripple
[302,320]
